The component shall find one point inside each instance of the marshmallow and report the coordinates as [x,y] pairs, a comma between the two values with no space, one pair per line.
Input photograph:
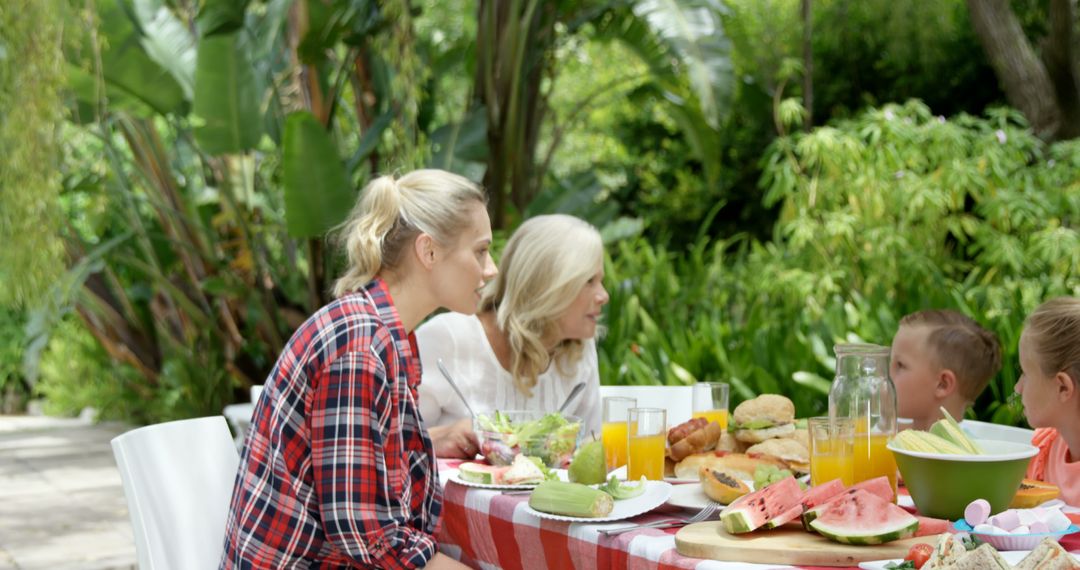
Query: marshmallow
[986,529]
[1022,529]
[1007,520]
[977,512]
[1027,516]
[1057,521]
[1039,527]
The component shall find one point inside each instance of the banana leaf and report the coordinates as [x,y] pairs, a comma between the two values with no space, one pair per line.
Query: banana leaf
[317,193]
[131,77]
[227,96]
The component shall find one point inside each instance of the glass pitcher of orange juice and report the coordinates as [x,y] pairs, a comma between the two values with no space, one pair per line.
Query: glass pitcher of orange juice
[863,391]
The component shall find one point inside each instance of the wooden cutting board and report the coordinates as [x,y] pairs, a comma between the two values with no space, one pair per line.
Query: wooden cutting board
[787,545]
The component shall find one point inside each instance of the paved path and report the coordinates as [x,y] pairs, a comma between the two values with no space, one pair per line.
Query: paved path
[61,501]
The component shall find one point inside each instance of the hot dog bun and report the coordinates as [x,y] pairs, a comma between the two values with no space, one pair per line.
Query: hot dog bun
[738,463]
[694,436]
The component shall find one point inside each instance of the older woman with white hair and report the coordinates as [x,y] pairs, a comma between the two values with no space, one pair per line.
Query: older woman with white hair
[532,340]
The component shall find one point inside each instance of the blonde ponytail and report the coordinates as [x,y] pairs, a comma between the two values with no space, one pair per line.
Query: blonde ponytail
[392,213]
[363,233]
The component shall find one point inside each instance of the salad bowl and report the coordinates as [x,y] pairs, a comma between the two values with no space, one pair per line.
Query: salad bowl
[550,436]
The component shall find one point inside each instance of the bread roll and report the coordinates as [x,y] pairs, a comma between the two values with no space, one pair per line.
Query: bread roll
[790,451]
[739,463]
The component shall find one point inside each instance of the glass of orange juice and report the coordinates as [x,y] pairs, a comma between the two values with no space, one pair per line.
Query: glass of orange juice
[710,401]
[832,448]
[872,458]
[616,412]
[646,436]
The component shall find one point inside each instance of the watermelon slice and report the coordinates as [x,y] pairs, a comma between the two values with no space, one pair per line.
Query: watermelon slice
[864,518]
[930,526]
[812,498]
[752,511]
[483,474]
[877,486]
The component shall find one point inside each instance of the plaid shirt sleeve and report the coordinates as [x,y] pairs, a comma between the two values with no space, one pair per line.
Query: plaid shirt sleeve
[359,442]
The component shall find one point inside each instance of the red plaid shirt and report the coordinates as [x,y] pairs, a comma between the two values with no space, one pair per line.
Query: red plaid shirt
[337,471]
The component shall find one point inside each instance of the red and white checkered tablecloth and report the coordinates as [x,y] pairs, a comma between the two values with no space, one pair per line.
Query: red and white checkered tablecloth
[487,529]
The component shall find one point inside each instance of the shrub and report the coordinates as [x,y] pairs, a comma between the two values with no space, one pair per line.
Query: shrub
[893,211]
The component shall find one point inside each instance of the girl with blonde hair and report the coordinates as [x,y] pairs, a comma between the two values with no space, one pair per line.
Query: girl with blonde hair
[530,343]
[1050,390]
[338,469]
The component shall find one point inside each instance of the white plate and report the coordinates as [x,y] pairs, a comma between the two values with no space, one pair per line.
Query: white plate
[688,497]
[692,496]
[620,474]
[1010,556]
[656,493]
[456,478]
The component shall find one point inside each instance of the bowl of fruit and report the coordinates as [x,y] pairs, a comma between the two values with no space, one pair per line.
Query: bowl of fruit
[552,437]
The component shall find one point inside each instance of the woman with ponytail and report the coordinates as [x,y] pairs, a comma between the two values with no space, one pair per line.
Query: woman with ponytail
[338,470]
[530,343]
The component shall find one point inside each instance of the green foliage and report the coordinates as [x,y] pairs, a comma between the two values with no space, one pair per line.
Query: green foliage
[181,265]
[14,389]
[894,211]
[31,73]
[317,196]
[872,52]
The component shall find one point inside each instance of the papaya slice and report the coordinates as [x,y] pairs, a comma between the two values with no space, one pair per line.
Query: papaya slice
[721,486]
[1033,493]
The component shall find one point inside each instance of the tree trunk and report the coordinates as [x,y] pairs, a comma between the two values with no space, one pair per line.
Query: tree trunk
[514,41]
[1022,75]
[1061,63]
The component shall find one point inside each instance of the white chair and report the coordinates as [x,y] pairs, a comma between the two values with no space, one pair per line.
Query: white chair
[239,415]
[677,400]
[178,479]
[987,430]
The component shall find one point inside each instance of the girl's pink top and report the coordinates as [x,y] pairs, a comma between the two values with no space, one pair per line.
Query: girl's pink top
[1055,465]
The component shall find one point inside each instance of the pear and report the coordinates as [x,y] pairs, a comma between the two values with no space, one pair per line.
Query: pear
[588,466]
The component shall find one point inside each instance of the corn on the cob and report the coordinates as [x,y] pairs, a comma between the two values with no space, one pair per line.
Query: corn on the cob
[570,499]
[926,442]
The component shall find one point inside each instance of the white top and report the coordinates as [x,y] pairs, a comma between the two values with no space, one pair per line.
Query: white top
[464,348]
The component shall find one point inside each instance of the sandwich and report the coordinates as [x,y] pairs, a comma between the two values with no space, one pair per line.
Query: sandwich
[947,551]
[790,451]
[740,465]
[802,433]
[985,557]
[764,417]
[729,444]
[1048,555]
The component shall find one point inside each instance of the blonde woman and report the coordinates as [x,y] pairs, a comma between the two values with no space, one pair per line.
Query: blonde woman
[338,470]
[532,340]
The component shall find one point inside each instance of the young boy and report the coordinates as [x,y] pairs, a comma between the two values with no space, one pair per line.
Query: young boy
[940,358]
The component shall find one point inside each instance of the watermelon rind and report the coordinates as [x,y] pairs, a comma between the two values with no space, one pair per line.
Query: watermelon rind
[813,497]
[751,512]
[482,474]
[868,537]
[862,518]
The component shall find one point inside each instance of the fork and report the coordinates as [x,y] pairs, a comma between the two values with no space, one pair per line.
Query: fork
[703,515]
